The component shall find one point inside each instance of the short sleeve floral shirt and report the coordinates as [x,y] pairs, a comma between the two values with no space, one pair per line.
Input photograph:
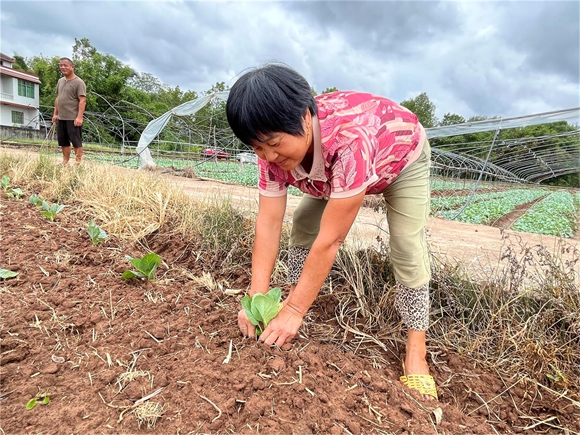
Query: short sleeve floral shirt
[361,142]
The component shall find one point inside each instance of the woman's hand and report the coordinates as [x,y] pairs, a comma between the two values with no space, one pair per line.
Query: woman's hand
[283,328]
[246,327]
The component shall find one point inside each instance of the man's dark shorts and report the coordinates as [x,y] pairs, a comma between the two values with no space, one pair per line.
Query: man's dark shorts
[67,133]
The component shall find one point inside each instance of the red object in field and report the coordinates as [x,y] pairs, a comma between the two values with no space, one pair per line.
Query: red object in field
[211,152]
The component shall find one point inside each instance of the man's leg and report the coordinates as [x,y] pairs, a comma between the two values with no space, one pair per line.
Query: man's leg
[65,154]
[78,155]
[75,135]
[63,140]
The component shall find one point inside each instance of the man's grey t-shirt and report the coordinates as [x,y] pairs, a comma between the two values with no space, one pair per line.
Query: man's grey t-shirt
[68,92]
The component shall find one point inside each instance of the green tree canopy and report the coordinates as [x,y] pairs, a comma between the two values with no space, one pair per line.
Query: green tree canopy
[422,106]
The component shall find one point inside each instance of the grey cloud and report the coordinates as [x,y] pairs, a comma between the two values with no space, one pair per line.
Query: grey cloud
[481,57]
[548,32]
[387,26]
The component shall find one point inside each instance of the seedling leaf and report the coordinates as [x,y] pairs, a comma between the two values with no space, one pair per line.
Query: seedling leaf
[96,234]
[45,401]
[15,193]
[128,274]
[5,182]
[261,309]
[268,308]
[6,274]
[247,306]
[146,266]
[275,294]
[51,210]
[36,200]
[31,404]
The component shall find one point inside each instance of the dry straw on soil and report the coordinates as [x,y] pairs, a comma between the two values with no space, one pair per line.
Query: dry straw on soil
[523,332]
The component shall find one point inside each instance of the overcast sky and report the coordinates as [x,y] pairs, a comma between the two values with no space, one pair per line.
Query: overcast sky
[472,58]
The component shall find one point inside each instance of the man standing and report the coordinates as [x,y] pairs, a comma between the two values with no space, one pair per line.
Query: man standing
[69,108]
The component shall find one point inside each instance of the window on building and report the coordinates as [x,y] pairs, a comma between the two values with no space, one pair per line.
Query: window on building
[17,117]
[25,89]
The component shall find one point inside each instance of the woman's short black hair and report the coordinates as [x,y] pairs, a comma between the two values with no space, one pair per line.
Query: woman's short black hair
[272,98]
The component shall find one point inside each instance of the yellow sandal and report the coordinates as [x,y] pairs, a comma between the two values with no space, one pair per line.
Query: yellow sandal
[424,384]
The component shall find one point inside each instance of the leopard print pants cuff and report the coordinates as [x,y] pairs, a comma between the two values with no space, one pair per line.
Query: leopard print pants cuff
[412,305]
[296,259]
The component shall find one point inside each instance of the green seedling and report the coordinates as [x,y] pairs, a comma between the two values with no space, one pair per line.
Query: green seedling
[146,267]
[36,200]
[5,182]
[96,234]
[15,193]
[261,309]
[6,274]
[40,398]
[50,211]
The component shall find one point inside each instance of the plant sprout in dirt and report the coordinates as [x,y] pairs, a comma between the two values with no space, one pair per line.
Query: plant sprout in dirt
[5,182]
[96,233]
[40,398]
[7,274]
[15,193]
[36,200]
[146,266]
[50,211]
[261,309]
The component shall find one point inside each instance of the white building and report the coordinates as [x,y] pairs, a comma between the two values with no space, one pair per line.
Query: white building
[19,96]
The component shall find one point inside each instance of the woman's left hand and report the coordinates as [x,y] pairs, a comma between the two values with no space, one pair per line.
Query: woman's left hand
[283,328]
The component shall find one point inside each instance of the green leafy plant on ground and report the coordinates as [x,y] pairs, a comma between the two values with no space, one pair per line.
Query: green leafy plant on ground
[96,233]
[6,274]
[36,200]
[40,398]
[10,191]
[15,193]
[5,182]
[50,211]
[146,267]
[261,309]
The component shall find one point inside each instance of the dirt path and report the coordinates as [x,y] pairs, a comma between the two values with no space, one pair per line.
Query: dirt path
[478,248]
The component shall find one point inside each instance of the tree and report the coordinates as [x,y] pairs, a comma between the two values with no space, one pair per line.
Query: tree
[20,63]
[145,82]
[452,119]
[48,72]
[329,90]
[423,108]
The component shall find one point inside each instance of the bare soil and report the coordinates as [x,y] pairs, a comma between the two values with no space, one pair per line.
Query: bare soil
[71,329]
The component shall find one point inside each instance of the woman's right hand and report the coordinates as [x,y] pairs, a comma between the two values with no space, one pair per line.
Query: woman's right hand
[246,327]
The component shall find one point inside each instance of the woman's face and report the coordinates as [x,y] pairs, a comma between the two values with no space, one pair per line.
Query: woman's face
[285,150]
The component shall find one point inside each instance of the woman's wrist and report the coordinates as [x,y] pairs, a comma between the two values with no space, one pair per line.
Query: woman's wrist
[296,309]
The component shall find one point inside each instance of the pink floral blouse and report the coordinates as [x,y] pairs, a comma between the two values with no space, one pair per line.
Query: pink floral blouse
[361,142]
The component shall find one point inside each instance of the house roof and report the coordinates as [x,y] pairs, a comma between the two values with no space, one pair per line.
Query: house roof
[4,70]
[7,58]
[22,106]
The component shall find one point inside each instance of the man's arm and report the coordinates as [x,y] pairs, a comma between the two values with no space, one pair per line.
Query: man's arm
[82,105]
[55,113]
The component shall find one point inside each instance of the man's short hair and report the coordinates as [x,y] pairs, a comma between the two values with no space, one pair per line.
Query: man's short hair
[67,59]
